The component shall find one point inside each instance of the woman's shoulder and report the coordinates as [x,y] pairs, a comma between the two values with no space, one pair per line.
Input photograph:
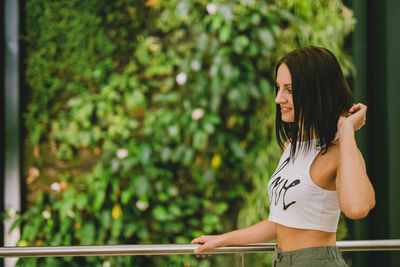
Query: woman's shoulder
[332,155]
[323,169]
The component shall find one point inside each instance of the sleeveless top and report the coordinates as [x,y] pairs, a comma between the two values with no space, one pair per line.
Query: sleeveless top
[295,200]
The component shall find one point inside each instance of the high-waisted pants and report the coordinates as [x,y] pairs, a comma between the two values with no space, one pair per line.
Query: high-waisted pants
[328,256]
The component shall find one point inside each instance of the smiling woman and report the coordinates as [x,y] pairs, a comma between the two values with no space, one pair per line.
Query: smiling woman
[321,171]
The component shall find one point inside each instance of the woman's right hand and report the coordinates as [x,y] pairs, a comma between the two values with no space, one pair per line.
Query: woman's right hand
[208,242]
[355,119]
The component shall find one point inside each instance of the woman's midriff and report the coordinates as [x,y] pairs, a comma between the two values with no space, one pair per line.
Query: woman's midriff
[292,238]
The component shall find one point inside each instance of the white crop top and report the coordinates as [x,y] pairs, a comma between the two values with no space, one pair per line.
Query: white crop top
[295,200]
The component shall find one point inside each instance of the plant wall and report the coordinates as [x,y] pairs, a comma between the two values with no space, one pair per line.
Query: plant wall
[156,118]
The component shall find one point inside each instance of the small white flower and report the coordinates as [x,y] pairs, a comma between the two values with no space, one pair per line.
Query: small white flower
[195,65]
[141,205]
[181,78]
[212,9]
[122,153]
[106,264]
[173,130]
[197,114]
[55,187]
[46,214]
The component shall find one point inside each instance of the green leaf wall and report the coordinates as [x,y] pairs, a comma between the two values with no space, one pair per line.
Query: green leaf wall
[171,104]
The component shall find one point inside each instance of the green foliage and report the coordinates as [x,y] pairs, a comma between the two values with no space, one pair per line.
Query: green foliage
[179,103]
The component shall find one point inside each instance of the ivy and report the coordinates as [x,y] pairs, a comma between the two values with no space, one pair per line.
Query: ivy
[176,100]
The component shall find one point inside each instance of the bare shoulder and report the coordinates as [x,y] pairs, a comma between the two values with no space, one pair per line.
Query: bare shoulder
[325,166]
[333,158]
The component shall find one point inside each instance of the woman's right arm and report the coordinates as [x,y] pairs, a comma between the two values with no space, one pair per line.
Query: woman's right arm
[259,232]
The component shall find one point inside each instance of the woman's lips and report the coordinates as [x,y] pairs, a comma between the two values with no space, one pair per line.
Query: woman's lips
[285,110]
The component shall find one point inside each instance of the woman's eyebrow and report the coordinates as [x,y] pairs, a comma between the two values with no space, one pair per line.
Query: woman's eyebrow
[285,85]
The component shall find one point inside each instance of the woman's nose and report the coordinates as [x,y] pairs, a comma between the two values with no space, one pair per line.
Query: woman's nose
[279,98]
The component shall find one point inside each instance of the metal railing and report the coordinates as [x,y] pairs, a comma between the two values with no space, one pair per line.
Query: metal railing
[176,249]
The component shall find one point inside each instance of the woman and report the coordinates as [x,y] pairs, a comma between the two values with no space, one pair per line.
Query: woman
[321,171]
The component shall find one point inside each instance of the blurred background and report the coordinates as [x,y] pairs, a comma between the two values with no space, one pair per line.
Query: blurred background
[152,122]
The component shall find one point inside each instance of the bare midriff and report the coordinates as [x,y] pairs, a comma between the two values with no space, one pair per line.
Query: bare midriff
[292,238]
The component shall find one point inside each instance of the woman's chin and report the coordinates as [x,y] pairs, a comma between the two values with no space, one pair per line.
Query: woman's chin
[287,119]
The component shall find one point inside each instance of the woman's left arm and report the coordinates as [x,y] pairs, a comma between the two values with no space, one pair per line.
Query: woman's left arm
[355,191]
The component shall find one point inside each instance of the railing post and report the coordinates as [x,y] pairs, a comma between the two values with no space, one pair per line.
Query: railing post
[11,178]
[242,255]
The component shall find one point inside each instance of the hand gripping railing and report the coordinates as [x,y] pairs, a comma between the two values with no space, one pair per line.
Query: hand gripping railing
[175,249]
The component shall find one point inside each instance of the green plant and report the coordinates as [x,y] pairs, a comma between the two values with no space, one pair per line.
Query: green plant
[175,98]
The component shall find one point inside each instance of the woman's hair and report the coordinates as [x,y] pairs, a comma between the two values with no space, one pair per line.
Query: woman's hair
[320,96]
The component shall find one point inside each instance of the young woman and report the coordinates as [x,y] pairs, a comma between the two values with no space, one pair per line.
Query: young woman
[321,171]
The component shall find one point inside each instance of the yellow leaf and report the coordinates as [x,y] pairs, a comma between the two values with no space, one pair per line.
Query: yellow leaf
[78,225]
[216,161]
[22,243]
[116,211]
[231,122]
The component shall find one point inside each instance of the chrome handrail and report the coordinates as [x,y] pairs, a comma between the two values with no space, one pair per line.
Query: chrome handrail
[114,250]
[176,249]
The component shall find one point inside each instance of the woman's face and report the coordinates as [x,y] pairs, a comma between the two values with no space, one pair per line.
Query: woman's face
[284,96]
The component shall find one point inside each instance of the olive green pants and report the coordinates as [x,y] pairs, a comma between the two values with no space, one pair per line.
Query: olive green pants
[309,257]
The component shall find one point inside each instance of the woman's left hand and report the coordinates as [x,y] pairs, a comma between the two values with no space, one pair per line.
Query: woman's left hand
[355,119]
